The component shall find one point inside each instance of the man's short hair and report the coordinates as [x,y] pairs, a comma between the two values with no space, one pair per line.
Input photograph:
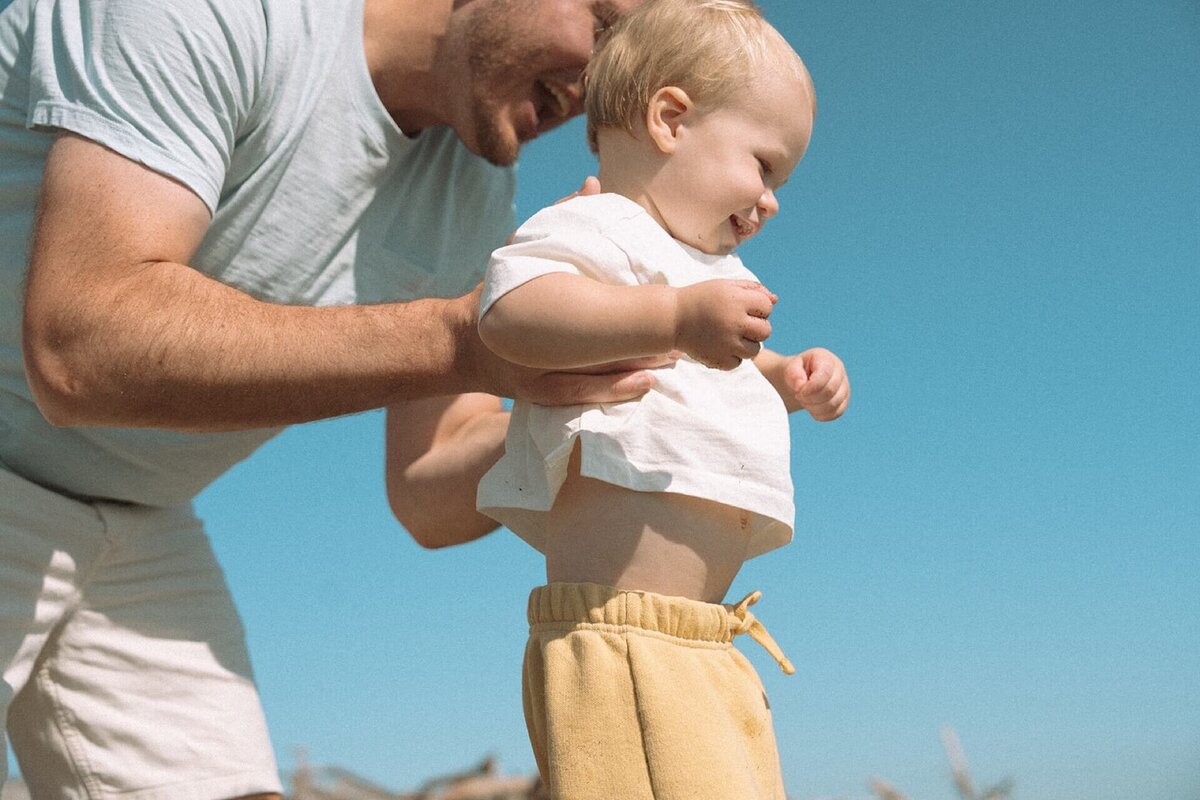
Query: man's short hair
[712,49]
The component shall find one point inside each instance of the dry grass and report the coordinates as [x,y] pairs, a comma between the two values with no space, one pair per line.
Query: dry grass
[483,782]
[959,771]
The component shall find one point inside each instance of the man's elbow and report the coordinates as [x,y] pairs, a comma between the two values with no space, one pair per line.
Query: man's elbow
[422,527]
[58,386]
[429,536]
[434,527]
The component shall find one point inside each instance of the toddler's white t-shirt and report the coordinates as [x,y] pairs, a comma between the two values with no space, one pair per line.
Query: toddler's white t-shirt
[702,432]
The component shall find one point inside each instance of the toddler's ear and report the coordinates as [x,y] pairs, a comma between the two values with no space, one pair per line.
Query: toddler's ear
[666,111]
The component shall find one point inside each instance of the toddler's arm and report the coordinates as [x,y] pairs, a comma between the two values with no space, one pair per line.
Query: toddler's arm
[563,321]
[814,380]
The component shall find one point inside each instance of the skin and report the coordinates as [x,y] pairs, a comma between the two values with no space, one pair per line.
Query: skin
[120,331]
[492,69]
[708,175]
[560,321]
[159,345]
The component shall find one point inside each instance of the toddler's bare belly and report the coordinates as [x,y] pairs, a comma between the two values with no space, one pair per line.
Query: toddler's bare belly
[664,543]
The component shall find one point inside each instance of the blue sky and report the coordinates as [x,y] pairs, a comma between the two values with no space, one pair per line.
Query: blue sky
[997,227]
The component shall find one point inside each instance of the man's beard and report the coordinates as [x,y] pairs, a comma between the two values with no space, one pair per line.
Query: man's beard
[490,143]
[491,59]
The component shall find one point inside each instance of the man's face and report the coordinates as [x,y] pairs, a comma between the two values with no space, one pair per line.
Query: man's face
[517,67]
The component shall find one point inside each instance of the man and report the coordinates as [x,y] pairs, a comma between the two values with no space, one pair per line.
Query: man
[232,198]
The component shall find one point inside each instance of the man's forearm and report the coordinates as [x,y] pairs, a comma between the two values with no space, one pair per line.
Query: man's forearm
[118,331]
[167,347]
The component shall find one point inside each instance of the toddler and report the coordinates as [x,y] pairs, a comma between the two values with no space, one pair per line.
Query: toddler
[645,510]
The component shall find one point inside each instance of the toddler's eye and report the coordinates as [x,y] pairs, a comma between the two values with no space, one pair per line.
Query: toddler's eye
[764,167]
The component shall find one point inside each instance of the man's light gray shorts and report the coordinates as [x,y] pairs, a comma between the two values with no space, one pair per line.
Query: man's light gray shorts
[124,661]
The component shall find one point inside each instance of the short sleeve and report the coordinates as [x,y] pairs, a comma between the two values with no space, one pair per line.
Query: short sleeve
[166,83]
[556,239]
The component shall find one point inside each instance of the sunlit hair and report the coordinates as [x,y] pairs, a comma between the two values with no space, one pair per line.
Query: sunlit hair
[712,49]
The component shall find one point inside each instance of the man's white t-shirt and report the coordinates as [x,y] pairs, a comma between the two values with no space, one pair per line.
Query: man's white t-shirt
[264,109]
[702,432]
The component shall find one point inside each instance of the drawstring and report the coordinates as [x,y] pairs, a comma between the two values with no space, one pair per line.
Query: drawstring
[743,621]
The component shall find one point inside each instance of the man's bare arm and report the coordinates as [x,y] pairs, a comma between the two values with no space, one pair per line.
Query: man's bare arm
[118,331]
[437,450]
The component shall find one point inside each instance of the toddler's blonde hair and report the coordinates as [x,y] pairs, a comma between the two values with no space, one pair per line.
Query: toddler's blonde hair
[711,49]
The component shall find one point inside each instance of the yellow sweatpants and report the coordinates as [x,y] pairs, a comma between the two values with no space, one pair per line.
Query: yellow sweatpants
[637,696]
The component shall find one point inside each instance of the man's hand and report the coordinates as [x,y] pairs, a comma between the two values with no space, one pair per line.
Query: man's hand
[603,383]
[600,383]
[591,185]
[721,322]
[817,381]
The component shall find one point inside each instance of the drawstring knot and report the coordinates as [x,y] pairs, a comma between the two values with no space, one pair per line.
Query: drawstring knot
[742,620]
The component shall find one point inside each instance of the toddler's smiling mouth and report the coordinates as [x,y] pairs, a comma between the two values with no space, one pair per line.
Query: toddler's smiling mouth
[743,228]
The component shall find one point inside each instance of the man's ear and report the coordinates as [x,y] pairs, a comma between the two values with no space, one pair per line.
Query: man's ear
[667,110]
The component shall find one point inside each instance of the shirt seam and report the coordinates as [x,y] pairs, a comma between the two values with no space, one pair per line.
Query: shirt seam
[118,137]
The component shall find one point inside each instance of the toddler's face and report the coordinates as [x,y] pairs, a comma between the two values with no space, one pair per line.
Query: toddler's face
[730,161]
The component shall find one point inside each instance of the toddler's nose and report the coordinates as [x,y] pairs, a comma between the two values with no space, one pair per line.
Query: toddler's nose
[768,206]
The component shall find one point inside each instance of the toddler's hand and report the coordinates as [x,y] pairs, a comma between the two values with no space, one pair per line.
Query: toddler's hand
[817,379]
[720,322]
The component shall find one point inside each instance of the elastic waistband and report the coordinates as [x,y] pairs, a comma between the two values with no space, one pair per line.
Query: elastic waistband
[573,605]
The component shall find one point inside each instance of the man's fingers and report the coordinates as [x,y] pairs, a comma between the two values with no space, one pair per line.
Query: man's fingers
[631,364]
[591,185]
[572,388]
[598,383]
[617,387]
